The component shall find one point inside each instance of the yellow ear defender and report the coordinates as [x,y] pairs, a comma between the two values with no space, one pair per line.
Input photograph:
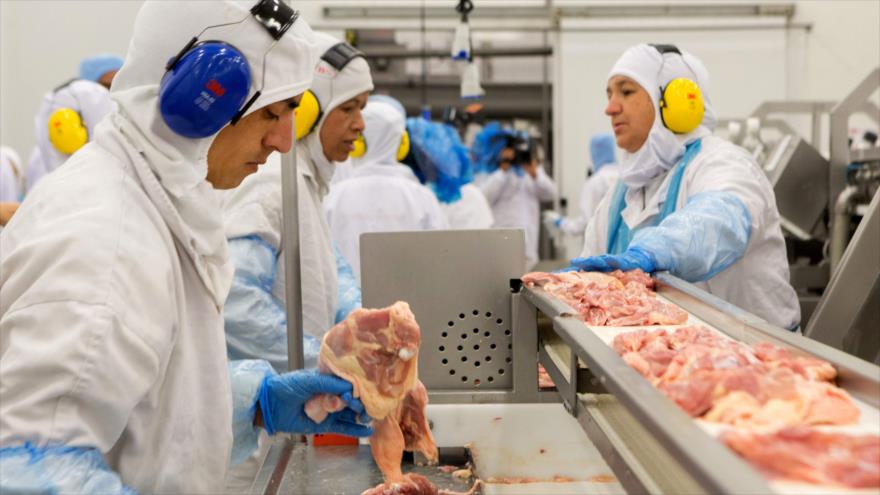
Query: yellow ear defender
[681,105]
[67,133]
[403,150]
[360,147]
[306,114]
[681,101]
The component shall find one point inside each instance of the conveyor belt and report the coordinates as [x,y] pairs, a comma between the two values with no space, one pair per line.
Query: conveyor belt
[683,444]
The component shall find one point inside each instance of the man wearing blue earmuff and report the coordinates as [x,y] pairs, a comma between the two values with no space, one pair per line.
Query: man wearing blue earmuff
[113,367]
[328,122]
[686,201]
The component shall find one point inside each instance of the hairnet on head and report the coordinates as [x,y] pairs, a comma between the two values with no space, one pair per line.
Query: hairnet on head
[602,148]
[652,70]
[391,101]
[441,159]
[487,147]
[332,87]
[92,68]
[383,130]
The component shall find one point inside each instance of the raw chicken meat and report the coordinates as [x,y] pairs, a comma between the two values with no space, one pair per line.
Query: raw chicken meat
[725,381]
[613,299]
[377,351]
[415,484]
[803,454]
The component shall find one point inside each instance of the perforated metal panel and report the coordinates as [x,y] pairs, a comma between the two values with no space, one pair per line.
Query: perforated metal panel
[458,286]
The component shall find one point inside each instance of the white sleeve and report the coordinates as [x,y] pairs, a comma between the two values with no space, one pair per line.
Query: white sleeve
[596,234]
[494,185]
[545,188]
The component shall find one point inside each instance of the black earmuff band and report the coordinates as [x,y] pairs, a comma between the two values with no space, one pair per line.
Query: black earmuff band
[340,54]
[666,48]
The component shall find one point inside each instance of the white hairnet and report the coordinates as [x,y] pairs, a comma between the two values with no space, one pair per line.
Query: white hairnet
[383,129]
[652,70]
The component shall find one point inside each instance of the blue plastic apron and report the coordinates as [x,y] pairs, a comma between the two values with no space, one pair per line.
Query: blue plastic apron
[619,234]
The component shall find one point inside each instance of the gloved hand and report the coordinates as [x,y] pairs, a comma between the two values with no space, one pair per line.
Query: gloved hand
[630,259]
[552,220]
[282,399]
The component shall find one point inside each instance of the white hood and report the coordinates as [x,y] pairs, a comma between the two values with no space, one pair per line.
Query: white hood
[332,88]
[173,168]
[90,99]
[383,128]
[663,148]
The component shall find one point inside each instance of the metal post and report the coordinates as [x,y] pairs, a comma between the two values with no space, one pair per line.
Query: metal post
[290,247]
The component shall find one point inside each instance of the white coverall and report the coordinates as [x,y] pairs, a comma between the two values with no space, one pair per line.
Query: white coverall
[90,99]
[255,316]
[381,195]
[112,283]
[516,203]
[472,211]
[592,192]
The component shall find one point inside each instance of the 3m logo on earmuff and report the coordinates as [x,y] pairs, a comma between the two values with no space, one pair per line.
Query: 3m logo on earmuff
[216,88]
[681,101]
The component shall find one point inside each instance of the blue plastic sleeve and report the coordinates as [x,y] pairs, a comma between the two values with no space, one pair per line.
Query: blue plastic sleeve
[28,469]
[246,377]
[706,236]
[349,296]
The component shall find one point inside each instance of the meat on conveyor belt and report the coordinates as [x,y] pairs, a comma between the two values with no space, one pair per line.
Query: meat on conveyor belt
[804,454]
[377,351]
[725,381]
[613,299]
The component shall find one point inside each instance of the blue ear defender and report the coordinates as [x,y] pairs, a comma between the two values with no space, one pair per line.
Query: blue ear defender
[206,84]
[204,89]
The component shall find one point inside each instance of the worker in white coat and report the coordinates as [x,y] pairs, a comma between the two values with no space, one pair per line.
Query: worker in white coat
[113,367]
[443,163]
[382,194]
[516,188]
[687,201]
[256,324]
[604,176]
[65,123]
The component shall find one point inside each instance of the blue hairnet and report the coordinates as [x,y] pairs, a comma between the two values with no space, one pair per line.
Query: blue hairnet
[441,160]
[92,68]
[487,147]
[602,147]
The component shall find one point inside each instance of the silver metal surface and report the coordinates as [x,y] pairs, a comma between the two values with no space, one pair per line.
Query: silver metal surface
[799,175]
[814,108]
[458,286]
[290,247]
[301,469]
[858,377]
[848,316]
[712,466]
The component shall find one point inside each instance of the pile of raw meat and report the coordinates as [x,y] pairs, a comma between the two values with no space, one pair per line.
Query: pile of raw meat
[804,454]
[615,299]
[377,351]
[725,381]
[768,395]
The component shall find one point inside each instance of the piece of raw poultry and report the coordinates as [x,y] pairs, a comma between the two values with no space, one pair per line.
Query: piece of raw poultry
[460,247]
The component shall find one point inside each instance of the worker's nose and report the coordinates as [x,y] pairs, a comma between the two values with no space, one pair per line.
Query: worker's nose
[358,122]
[613,107]
[280,136]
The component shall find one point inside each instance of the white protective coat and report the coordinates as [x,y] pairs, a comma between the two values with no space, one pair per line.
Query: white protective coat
[516,203]
[759,281]
[472,211]
[592,192]
[90,99]
[255,207]
[113,280]
[381,195]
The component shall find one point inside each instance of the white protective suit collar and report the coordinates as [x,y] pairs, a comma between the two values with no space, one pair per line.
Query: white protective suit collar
[186,200]
[332,88]
[663,148]
[383,129]
[90,99]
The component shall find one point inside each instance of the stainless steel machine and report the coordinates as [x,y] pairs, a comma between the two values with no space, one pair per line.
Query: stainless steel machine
[603,429]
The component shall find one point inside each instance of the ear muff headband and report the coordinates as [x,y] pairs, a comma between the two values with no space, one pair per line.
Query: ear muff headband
[206,84]
[681,101]
[360,147]
[309,113]
[67,131]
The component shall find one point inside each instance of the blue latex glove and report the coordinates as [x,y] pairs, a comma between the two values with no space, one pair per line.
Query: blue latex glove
[630,259]
[282,399]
